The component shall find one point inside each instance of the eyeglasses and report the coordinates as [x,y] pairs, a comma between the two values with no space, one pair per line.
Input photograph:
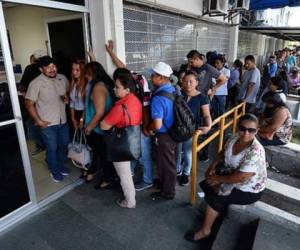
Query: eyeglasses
[250,130]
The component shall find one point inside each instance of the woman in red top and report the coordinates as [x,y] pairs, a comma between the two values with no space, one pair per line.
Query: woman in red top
[124,89]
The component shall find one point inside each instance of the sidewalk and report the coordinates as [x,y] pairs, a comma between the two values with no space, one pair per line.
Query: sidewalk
[89,219]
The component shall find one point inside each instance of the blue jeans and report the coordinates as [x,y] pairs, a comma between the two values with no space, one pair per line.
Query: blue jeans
[218,105]
[145,160]
[56,140]
[185,151]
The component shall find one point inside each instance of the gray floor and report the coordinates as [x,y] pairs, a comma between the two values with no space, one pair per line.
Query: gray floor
[90,219]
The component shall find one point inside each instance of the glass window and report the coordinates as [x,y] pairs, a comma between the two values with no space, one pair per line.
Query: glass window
[13,187]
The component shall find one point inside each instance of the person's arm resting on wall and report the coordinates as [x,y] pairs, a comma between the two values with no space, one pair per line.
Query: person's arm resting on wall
[110,50]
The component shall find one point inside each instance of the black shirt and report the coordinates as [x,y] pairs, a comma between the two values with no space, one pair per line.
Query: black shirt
[195,104]
[31,72]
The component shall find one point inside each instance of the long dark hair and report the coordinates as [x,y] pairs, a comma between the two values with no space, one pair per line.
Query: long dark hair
[81,82]
[99,75]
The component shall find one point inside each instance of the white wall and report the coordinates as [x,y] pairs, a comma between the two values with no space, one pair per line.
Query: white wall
[27,30]
[192,7]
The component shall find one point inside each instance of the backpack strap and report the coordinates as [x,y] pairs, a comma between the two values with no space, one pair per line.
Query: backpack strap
[170,96]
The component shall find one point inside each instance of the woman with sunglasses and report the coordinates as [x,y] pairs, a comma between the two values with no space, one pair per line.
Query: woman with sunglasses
[237,176]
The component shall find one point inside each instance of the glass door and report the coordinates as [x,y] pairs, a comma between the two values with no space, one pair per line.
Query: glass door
[16,189]
[21,174]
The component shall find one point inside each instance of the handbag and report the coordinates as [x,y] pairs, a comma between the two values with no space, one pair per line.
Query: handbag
[123,144]
[79,152]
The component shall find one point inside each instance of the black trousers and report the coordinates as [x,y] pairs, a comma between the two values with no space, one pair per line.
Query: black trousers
[166,155]
[220,203]
[96,142]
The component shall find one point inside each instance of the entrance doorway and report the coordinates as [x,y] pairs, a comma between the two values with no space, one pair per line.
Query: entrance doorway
[63,38]
[66,41]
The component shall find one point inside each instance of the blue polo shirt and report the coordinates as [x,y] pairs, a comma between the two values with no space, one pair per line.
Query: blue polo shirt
[162,107]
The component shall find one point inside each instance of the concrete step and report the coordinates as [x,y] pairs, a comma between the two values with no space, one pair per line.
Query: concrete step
[277,157]
[275,237]
[237,230]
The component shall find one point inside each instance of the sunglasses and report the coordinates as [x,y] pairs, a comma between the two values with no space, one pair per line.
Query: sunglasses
[250,130]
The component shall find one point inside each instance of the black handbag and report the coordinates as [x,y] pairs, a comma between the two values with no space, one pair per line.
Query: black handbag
[123,144]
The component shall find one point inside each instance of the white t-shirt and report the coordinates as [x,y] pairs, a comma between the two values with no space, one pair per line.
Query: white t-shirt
[222,90]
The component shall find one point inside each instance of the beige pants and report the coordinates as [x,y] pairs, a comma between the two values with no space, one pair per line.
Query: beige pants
[124,171]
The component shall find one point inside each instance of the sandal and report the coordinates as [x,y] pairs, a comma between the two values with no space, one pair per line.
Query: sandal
[89,180]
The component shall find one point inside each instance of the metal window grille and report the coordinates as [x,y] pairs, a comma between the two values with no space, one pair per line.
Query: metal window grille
[247,44]
[152,36]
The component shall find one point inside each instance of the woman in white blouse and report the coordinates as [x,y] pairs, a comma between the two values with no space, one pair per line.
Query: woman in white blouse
[237,176]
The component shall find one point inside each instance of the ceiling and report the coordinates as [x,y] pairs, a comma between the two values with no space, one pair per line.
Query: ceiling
[265,4]
[286,33]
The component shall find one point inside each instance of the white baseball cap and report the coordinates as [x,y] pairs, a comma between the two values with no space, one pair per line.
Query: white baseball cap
[39,53]
[163,69]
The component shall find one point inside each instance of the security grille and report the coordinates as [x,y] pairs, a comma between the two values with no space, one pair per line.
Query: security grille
[247,44]
[152,36]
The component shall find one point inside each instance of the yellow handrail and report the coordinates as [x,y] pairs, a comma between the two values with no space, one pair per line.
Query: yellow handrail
[220,132]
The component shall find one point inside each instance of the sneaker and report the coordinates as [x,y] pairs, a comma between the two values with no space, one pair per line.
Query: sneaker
[179,173]
[184,180]
[65,172]
[142,186]
[56,177]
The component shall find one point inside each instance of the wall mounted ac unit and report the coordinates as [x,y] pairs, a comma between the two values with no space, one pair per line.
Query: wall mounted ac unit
[241,4]
[217,6]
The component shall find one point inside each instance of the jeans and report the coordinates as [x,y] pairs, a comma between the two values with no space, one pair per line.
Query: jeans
[185,151]
[145,160]
[34,132]
[56,140]
[218,105]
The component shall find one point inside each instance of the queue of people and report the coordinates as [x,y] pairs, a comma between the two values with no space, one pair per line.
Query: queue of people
[98,104]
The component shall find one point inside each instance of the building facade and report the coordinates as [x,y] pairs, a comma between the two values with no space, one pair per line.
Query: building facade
[144,32]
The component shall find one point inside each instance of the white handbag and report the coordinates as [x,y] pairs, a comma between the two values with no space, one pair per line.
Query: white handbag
[80,152]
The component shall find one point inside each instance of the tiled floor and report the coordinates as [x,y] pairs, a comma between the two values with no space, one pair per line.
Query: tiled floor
[44,185]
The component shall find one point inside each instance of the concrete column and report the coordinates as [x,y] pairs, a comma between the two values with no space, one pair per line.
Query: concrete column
[106,19]
[233,41]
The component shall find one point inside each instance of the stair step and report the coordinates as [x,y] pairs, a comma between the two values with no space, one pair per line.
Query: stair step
[275,237]
[237,229]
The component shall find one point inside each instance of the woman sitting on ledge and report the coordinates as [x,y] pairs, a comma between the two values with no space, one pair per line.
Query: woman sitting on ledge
[237,176]
[275,124]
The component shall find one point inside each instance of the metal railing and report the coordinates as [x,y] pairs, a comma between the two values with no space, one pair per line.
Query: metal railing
[223,125]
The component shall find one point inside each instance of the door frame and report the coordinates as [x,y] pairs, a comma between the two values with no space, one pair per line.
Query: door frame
[33,205]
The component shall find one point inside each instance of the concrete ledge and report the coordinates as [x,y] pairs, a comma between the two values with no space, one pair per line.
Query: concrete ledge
[269,213]
[285,158]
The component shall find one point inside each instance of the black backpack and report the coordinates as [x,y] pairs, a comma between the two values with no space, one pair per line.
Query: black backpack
[184,124]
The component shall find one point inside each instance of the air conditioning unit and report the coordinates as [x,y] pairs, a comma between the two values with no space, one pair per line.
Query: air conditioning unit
[216,6]
[241,4]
